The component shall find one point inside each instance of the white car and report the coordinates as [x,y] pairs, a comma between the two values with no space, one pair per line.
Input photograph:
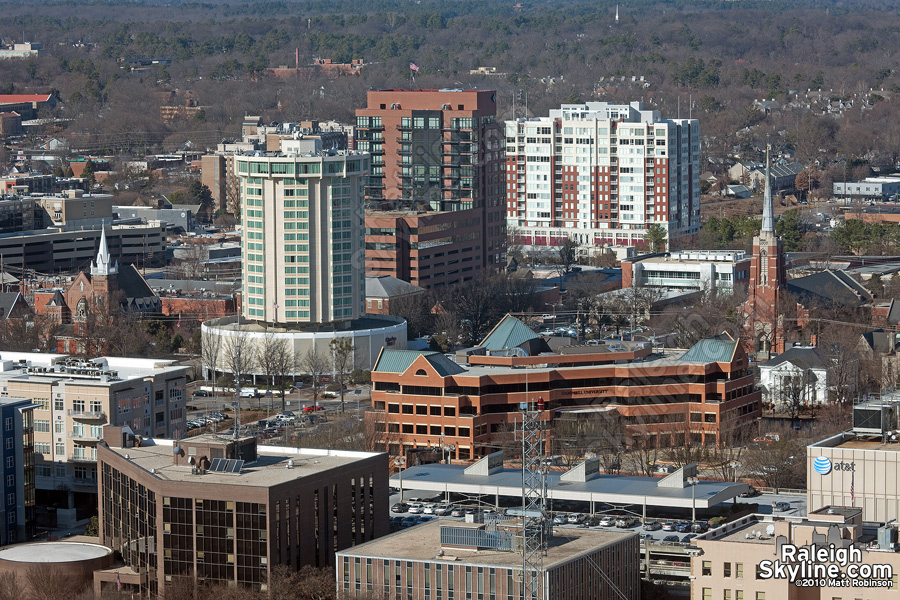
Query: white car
[416,509]
[443,509]
[428,509]
[607,521]
[575,518]
[560,520]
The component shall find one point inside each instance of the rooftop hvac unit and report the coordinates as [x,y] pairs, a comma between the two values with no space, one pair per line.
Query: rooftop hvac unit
[875,418]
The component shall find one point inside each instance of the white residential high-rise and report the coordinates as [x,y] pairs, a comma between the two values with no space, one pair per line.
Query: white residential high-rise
[601,174]
[303,237]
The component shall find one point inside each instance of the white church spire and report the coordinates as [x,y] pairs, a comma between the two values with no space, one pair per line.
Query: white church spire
[102,266]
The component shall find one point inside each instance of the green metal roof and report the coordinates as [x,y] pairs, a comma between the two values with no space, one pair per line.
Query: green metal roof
[509,333]
[443,365]
[398,361]
[713,349]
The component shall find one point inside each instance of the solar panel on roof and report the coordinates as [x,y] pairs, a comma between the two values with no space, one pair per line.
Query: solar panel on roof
[236,466]
[217,465]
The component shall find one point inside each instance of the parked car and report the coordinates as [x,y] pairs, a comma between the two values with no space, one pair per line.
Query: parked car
[409,521]
[671,538]
[750,493]
[652,526]
[442,509]
[688,537]
[782,506]
[683,527]
[560,520]
[201,394]
[416,509]
[607,521]
[400,507]
[700,527]
[457,512]
[428,509]
[625,522]
[313,408]
[669,526]
[575,518]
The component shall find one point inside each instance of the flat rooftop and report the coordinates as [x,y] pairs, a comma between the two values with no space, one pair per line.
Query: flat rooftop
[613,489]
[53,552]
[849,441]
[423,542]
[107,370]
[269,469]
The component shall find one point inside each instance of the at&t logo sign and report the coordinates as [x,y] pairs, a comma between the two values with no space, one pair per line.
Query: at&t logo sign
[822,465]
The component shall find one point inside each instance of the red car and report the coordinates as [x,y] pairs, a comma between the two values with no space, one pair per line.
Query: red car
[313,407]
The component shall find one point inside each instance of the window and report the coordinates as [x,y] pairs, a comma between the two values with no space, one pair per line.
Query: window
[707,568]
[760,596]
[8,424]
[726,595]
[727,569]
[707,593]
[42,426]
[60,449]
[11,499]
[739,570]
[58,404]
[738,594]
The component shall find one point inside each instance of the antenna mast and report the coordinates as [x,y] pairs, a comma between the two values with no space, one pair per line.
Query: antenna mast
[534,492]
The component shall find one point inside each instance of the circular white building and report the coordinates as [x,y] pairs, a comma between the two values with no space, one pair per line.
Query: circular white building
[368,335]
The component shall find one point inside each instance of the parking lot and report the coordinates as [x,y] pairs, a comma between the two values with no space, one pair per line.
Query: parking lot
[659,527]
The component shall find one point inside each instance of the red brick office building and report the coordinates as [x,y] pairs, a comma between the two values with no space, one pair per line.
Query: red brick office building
[424,399]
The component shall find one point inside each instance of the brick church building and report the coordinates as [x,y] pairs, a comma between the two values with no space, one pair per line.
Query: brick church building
[101,294]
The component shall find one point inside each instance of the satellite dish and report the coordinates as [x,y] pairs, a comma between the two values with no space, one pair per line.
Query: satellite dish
[770,530]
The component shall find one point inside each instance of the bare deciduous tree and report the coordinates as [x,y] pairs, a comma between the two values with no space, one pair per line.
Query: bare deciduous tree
[314,364]
[342,355]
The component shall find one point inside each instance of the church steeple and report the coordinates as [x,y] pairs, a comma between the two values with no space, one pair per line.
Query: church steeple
[101,266]
[768,220]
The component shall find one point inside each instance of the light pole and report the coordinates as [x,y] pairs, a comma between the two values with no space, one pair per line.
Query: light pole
[399,462]
[693,481]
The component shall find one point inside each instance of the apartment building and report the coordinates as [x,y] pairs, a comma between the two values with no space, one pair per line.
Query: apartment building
[226,511]
[434,199]
[74,399]
[445,560]
[707,270]
[17,504]
[303,237]
[425,399]
[601,174]
[735,561]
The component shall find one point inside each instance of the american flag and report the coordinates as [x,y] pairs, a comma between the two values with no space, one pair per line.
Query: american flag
[852,477]
[118,582]
[413,67]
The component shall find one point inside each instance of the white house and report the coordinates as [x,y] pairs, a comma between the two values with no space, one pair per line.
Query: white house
[798,369]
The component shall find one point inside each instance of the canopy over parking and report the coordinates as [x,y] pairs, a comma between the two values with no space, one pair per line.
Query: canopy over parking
[582,483]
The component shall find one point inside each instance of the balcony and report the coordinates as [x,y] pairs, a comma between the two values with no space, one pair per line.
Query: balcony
[86,458]
[85,481]
[86,415]
[84,437]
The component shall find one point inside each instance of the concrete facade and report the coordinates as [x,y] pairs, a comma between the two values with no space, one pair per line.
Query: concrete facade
[706,270]
[726,562]
[303,237]
[870,467]
[171,513]
[434,561]
[75,399]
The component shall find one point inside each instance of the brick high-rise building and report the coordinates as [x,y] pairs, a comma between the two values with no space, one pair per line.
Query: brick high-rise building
[601,174]
[434,199]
